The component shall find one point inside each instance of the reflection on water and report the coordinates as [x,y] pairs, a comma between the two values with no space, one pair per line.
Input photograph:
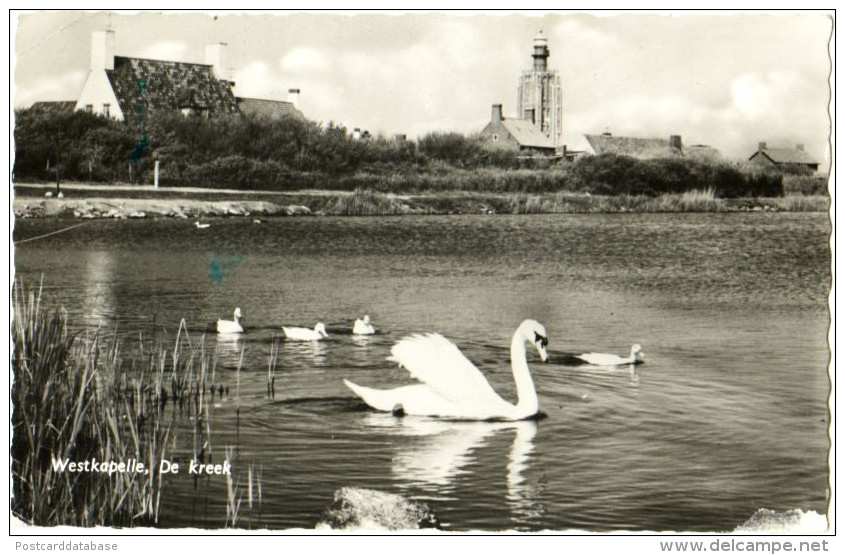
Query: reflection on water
[304,353]
[727,415]
[635,377]
[228,349]
[436,453]
[362,340]
[522,494]
[98,302]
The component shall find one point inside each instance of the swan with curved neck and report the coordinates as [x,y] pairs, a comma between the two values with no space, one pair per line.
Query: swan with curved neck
[304,334]
[603,359]
[452,387]
[231,326]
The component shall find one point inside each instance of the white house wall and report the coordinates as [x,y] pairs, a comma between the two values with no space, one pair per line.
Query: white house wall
[98,91]
[583,145]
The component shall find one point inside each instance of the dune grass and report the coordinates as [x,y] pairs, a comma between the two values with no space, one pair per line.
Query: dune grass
[802,203]
[75,398]
[364,202]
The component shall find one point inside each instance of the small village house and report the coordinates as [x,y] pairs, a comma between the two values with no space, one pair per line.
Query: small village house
[786,159]
[121,87]
[515,134]
[54,107]
[271,109]
[641,148]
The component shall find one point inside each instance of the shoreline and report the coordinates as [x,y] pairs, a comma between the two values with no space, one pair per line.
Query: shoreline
[125,202]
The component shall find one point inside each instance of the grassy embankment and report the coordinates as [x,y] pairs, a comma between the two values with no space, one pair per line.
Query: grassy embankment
[74,397]
[367,202]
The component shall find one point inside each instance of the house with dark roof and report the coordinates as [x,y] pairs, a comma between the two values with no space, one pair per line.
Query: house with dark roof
[271,109]
[54,107]
[122,87]
[515,134]
[641,148]
[635,147]
[789,159]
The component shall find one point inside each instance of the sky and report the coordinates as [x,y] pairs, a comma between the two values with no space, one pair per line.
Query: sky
[729,81]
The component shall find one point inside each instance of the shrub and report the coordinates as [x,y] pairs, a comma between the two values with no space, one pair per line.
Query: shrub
[806,185]
[614,174]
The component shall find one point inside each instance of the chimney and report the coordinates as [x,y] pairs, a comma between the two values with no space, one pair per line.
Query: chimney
[497,113]
[216,56]
[293,97]
[675,142]
[800,146]
[102,50]
[761,146]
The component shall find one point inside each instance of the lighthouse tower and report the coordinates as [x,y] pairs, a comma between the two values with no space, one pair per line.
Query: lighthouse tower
[540,97]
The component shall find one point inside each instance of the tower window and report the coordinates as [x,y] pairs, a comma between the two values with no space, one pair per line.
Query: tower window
[529,115]
[495,137]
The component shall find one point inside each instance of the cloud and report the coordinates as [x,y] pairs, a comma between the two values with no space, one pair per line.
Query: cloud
[759,96]
[164,50]
[65,86]
[579,32]
[427,85]
[305,60]
[257,79]
[780,107]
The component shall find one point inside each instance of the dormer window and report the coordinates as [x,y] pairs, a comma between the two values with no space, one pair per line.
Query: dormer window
[107,110]
[191,106]
[89,108]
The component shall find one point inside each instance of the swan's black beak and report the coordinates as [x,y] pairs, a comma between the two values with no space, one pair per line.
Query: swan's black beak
[540,341]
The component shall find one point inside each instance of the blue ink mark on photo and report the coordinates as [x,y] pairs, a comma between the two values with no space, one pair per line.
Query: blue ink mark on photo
[223,266]
[144,144]
[139,150]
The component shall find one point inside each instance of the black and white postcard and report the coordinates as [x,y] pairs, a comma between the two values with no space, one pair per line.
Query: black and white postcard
[392,272]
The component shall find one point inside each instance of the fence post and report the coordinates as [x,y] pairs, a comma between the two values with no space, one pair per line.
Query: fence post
[156,175]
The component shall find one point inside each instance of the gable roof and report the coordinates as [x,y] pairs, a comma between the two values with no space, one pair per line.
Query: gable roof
[153,85]
[270,109]
[634,147]
[55,107]
[786,156]
[527,134]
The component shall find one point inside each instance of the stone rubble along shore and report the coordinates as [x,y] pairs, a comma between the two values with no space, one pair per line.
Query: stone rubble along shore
[95,208]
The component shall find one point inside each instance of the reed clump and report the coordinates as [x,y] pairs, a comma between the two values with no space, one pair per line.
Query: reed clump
[74,400]
[801,203]
[365,202]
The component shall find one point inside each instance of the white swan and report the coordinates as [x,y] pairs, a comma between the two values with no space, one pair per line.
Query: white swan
[452,386]
[201,226]
[304,334]
[602,359]
[231,326]
[363,326]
